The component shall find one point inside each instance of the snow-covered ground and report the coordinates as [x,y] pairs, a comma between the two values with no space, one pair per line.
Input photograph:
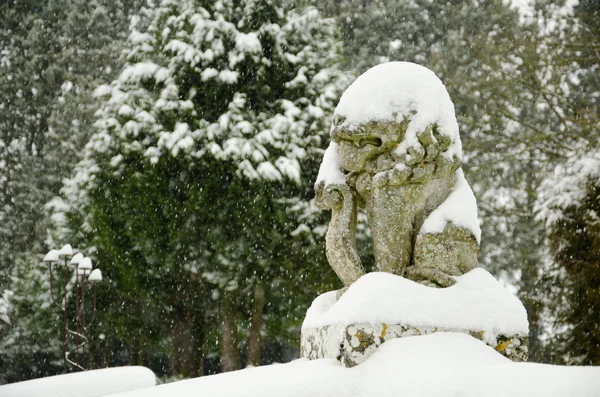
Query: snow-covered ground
[441,364]
[94,383]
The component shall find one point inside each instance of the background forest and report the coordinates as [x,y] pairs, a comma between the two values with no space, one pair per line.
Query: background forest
[176,142]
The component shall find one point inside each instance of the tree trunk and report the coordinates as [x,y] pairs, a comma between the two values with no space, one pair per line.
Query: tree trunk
[530,294]
[198,339]
[181,353]
[530,297]
[106,349]
[134,358]
[230,356]
[256,321]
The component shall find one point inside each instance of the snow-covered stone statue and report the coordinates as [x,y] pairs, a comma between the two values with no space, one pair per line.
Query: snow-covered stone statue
[395,149]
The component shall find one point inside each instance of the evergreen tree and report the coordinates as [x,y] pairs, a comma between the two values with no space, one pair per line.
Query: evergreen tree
[568,201]
[509,75]
[195,189]
[53,53]
[486,59]
[569,205]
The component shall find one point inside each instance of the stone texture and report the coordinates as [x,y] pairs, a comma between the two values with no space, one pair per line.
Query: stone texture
[400,176]
[398,193]
[353,344]
[340,240]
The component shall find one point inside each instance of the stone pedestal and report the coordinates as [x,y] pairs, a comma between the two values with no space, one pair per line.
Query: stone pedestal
[353,344]
[380,307]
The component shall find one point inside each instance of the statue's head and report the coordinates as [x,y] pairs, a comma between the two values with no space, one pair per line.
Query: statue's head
[395,110]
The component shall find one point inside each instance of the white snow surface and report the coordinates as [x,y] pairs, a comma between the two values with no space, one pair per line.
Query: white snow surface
[330,171]
[95,276]
[94,383]
[476,302]
[437,365]
[460,208]
[394,91]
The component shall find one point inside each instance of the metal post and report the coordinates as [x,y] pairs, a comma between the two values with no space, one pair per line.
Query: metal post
[81,323]
[64,309]
[64,312]
[76,318]
[83,328]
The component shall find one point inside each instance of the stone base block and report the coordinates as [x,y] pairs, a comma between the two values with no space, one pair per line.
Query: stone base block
[353,344]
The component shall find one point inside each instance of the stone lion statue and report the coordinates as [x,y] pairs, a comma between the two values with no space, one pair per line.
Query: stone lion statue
[395,151]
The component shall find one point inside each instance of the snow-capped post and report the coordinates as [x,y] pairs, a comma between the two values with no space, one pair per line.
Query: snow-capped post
[395,151]
[82,270]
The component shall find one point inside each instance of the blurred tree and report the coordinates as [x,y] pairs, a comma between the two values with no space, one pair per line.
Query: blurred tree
[195,189]
[52,54]
[213,132]
[482,54]
[569,204]
[569,197]
[510,74]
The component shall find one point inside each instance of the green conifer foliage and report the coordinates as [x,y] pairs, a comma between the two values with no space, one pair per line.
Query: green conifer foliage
[568,198]
[196,186]
[570,206]
[53,53]
[522,103]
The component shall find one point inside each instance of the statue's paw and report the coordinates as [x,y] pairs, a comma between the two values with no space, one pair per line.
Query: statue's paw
[433,141]
[426,137]
[456,163]
[424,156]
[429,277]
[432,151]
[443,280]
[364,184]
[444,165]
[400,175]
[416,155]
[385,162]
[381,179]
[423,172]
[329,196]
[443,142]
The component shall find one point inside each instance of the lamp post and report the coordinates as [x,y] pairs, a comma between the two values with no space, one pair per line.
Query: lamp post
[82,269]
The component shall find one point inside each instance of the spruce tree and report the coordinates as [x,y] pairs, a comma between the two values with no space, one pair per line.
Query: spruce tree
[511,78]
[483,55]
[568,200]
[569,204]
[53,53]
[195,187]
